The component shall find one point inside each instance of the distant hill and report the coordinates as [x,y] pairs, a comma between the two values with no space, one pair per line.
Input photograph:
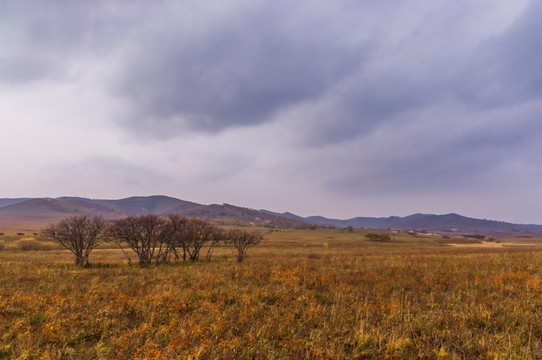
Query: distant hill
[137,205]
[7,202]
[448,223]
[32,213]
[231,214]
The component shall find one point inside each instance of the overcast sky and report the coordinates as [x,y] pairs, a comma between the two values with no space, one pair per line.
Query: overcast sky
[337,108]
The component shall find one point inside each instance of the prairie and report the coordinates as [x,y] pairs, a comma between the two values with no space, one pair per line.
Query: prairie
[327,294]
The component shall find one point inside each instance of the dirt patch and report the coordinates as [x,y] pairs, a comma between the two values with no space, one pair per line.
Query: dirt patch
[489,245]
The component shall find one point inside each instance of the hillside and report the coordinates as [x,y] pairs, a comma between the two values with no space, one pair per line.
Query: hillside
[35,212]
[7,202]
[137,205]
[448,223]
[32,213]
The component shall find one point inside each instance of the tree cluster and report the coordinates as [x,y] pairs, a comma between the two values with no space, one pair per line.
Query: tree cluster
[377,237]
[475,236]
[150,237]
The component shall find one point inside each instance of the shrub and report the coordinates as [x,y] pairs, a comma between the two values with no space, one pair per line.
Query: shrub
[241,240]
[377,237]
[28,244]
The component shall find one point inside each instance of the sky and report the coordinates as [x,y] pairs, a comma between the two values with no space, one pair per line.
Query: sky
[336,108]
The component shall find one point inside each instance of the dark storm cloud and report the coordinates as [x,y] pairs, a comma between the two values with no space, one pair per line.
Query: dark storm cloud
[45,40]
[208,67]
[483,152]
[236,70]
[36,40]
[361,97]
[471,124]
[342,69]
[203,67]
[507,68]
[503,70]
[364,107]
[255,64]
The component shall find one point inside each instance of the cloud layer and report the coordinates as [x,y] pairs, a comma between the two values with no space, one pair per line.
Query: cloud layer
[339,108]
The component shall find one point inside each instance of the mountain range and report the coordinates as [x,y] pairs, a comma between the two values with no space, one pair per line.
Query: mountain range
[448,223]
[31,212]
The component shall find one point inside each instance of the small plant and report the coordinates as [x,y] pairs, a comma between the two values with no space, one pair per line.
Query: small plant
[377,237]
[29,244]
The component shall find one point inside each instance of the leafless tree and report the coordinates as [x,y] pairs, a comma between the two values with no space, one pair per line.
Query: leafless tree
[197,234]
[190,236]
[241,240]
[143,234]
[174,235]
[80,234]
[218,236]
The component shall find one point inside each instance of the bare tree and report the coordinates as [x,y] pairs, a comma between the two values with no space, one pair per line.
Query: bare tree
[190,235]
[174,235]
[80,234]
[143,234]
[241,240]
[217,236]
[197,233]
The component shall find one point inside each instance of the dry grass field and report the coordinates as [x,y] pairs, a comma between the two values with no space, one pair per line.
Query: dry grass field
[323,294]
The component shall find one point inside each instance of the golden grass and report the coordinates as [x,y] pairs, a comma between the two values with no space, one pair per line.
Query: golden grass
[292,298]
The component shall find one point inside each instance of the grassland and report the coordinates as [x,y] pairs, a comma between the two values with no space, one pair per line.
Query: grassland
[294,297]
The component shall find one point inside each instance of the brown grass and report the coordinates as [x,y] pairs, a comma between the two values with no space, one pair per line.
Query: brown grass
[292,298]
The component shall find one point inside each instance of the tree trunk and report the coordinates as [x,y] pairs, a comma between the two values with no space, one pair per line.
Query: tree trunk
[81,260]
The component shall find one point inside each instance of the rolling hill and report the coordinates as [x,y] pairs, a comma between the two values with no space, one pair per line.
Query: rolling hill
[6,202]
[33,213]
[443,224]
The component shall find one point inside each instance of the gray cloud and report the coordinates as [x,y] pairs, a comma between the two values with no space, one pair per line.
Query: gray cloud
[104,174]
[482,152]
[208,67]
[55,40]
[359,98]
[506,68]
[238,70]
[38,40]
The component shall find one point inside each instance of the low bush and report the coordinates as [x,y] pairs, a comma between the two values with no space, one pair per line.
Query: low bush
[377,237]
[28,244]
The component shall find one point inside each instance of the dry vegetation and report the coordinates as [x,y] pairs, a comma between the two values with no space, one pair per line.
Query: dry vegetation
[292,297]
